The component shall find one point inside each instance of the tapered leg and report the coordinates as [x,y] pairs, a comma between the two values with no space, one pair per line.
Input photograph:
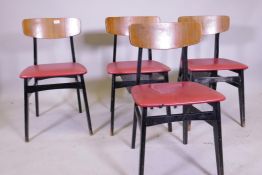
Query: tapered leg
[185,126]
[185,132]
[218,140]
[142,142]
[134,129]
[241,92]
[112,107]
[78,97]
[168,111]
[26,110]
[86,105]
[214,85]
[36,100]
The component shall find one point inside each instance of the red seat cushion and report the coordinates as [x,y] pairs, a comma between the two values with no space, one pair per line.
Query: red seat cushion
[53,70]
[130,67]
[209,64]
[173,94]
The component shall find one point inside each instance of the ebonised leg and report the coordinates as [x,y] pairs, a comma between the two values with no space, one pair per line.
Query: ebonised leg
[142,141]
[241,92]
[86,105]
[112,107]
[78,97]
[26,108]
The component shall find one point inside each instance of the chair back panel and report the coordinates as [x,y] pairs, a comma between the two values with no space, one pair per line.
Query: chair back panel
[209,24]
[119,25]
[51,28]
[164,35]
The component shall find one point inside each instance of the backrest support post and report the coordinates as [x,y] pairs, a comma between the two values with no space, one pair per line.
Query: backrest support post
[216,50]
[114,49]
[35,50]
[139,66]
[149,54]
[72,49]
[184,64]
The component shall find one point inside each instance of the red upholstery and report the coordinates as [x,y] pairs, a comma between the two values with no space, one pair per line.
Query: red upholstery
[209,64]
[130,67]
[172,94]
[53,70]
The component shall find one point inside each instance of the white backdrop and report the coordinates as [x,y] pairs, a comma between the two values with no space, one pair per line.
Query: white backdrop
[94,46]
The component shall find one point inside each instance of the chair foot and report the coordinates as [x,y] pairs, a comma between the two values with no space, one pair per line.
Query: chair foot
[170,127]
[112,123]
[189,126]
[185,132]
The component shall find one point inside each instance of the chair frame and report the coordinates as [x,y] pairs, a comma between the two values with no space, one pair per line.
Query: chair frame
[189,113]
[35,87]
[211,78]
[124,83]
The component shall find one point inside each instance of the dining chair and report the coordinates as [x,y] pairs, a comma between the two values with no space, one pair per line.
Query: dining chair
[166,36]
[205,70]
[153,71]
[50,29]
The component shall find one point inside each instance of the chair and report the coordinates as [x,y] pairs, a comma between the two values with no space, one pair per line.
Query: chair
[52,28]
[205,70]
[153,71]
[164,36]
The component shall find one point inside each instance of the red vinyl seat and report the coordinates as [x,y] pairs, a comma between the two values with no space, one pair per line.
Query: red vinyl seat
[129,67]
[174,94]
[211,64]
[53,70]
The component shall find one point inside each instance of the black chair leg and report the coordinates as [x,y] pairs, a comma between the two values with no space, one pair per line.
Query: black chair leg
[133,144]
[241,92]
[218,140]
[78,97]
[26,108]
[142,142]
[112,107]
[214,85]
[185,132]
[168,111]
[86,105]
[36,100]
[185,125]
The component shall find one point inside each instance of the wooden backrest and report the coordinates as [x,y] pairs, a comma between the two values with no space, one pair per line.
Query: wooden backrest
[164,35]
[209,24]
[119,25]
[51,28]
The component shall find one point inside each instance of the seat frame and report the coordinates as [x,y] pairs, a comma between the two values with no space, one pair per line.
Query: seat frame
[35,88]
[189,113]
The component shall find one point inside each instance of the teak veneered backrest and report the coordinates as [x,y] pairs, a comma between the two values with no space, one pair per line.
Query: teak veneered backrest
[51,28]
[119,25]
[209,24]
[164,35]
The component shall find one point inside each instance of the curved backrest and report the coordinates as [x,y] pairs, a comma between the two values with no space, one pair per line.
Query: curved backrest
[209,24]
[51,28]
[164,35]
[119,25]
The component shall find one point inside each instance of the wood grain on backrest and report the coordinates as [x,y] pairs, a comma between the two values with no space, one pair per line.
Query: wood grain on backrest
[209,24]
[119,25]
[51,28]
[164,35]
